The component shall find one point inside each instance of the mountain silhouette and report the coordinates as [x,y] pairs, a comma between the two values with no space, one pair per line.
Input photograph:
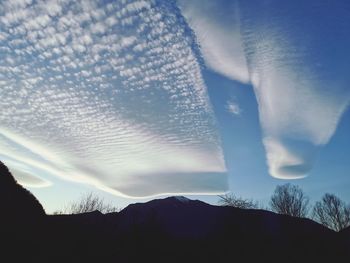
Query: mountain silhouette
[173,229]
[16,202]
[22,217]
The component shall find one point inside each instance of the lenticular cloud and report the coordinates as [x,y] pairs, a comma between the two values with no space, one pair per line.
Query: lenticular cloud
[298,58]
[297,55]
[108,94]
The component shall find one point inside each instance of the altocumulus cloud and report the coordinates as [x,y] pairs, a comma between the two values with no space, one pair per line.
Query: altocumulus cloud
[296,56]
[108,94]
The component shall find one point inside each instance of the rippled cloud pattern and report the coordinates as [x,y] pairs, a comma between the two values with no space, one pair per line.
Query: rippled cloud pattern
[108,94]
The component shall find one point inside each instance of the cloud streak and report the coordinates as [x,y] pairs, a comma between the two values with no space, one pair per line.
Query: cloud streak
[300,82]
[103,93]
[217,28]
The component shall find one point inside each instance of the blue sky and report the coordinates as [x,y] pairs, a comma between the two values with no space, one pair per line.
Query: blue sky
[140,98]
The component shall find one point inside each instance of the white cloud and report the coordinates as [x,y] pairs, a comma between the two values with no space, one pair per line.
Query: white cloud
[17,3]
[299,100]
[28,179]
[302,89]
[233,107]
[85,107]
[98,28]
[288,161]
[53,8]
[217,27]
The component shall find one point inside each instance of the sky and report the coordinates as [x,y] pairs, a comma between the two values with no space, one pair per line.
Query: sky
[137,99]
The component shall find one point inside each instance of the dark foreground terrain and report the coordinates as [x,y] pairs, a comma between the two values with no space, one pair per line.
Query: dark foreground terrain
[173,229]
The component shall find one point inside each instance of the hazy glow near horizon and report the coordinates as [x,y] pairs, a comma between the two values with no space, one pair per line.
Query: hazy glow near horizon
[108,94]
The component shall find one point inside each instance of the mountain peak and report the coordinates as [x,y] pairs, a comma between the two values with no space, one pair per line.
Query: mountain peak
[181,199]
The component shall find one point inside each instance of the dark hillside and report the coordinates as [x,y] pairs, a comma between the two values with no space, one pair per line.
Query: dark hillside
[16,202]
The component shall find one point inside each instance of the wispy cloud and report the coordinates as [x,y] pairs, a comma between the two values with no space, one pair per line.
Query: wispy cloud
[29,179]
[233,107]
[217,28]
[301,86]
[104,93]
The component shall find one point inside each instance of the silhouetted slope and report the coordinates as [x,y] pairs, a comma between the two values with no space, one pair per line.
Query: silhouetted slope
[179,216]
[22,220]
[181,230]
[345,236]
[346,231]
[218,233]
[15,201]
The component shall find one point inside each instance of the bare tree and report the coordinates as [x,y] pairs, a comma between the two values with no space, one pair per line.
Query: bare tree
[239,202]
[88,203]
[332,212]
[290,200]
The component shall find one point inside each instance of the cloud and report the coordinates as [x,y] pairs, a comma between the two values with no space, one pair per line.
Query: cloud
[233,107]
[289,159]
[217,28]
[302,87]
[29,180]
[299,84]
[206,183]
[108,94]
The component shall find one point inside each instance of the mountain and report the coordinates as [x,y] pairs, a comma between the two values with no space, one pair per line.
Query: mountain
[216,232]
[182,217]
[21,219]
[173,229]
[346,231]
[177,229]
[345,236]
[15,201]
